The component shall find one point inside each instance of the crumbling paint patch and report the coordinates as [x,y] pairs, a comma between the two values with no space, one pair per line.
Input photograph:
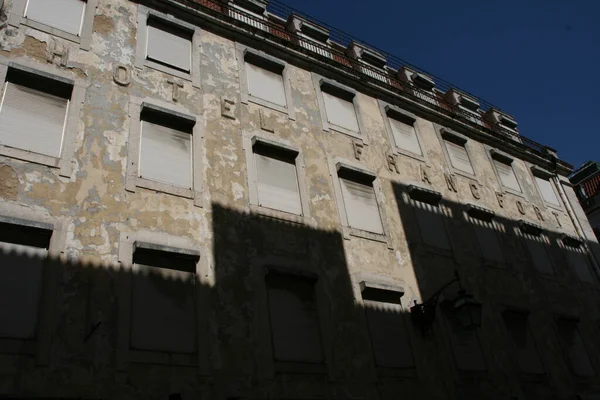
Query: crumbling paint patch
[104,25]
[9,183]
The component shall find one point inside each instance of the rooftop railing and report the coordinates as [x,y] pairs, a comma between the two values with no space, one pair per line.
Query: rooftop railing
[273,25]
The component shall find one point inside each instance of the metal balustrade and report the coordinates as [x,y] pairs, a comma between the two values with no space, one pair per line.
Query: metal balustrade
[278,32]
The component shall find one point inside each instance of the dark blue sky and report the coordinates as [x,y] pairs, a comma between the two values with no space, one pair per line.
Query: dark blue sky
[535,59]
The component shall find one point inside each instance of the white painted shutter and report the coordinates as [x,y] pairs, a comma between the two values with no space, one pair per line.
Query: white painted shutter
[465,345]
[539,255]
[340,112]
[163,310]
[32,120]
[166,155]
[431,225]
[405,136]
[389,337]
[265,84]
[361,206]
[66,15]
[576,351]
[169,49]
[21,269]
[526,352]
[487,237]
[294,319]
[507,175]
[277,184]
[547,191]
[459,157]
[579,263]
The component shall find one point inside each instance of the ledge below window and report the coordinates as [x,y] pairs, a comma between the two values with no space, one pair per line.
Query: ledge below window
[377,237]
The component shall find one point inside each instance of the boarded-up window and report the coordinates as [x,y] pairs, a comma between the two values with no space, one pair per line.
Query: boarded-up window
[405,136]
[32,120]
[23,253]
[488,238]
[265,84]
[294,318]
[538,252]
[66,15]
[465,344]
[507,175]
[340,112]
[459,157]
[579,261]
[431,224]
[169,45]
[277,179]
[360,202]
[574,348]
[389,335]
[525,350]
[165,154]
[546,190]
[163,302]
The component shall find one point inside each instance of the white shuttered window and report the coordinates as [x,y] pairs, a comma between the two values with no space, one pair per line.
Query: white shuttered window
[66,15]
[459,157]
[265,84]
[165,155]
[361,206]
[488,239]
[579,262]
[340,112]
[431,224]
[507,175]
[21,270]
[277,184]
[32,120]
[295,329]
[575,349]
[539,254]
[547,191]
[405,136]
[166,47]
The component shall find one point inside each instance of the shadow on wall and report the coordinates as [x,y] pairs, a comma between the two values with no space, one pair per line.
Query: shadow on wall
[527,279]
[284,319]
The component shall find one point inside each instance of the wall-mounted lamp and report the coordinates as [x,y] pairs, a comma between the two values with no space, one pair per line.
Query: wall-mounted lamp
[465,307]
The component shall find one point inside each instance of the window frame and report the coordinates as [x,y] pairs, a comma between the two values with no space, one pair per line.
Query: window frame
[508,310]
[249,139]
[17,18]
[570,244]
[366,282]
[141,61]
[545,175]
[558,319]
[39,347]
[474,212]
[133,181]
[128,242]
[262,320]
[63,163]
[335,165]
[448,135]
[416,195]
[386,109]
[497,156]
[318,82]
[260,57]
[524,231]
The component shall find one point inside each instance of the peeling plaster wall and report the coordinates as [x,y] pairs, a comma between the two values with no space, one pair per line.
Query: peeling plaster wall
[96,210]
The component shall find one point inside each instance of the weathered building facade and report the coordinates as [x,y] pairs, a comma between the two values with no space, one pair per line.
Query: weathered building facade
[220,199]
